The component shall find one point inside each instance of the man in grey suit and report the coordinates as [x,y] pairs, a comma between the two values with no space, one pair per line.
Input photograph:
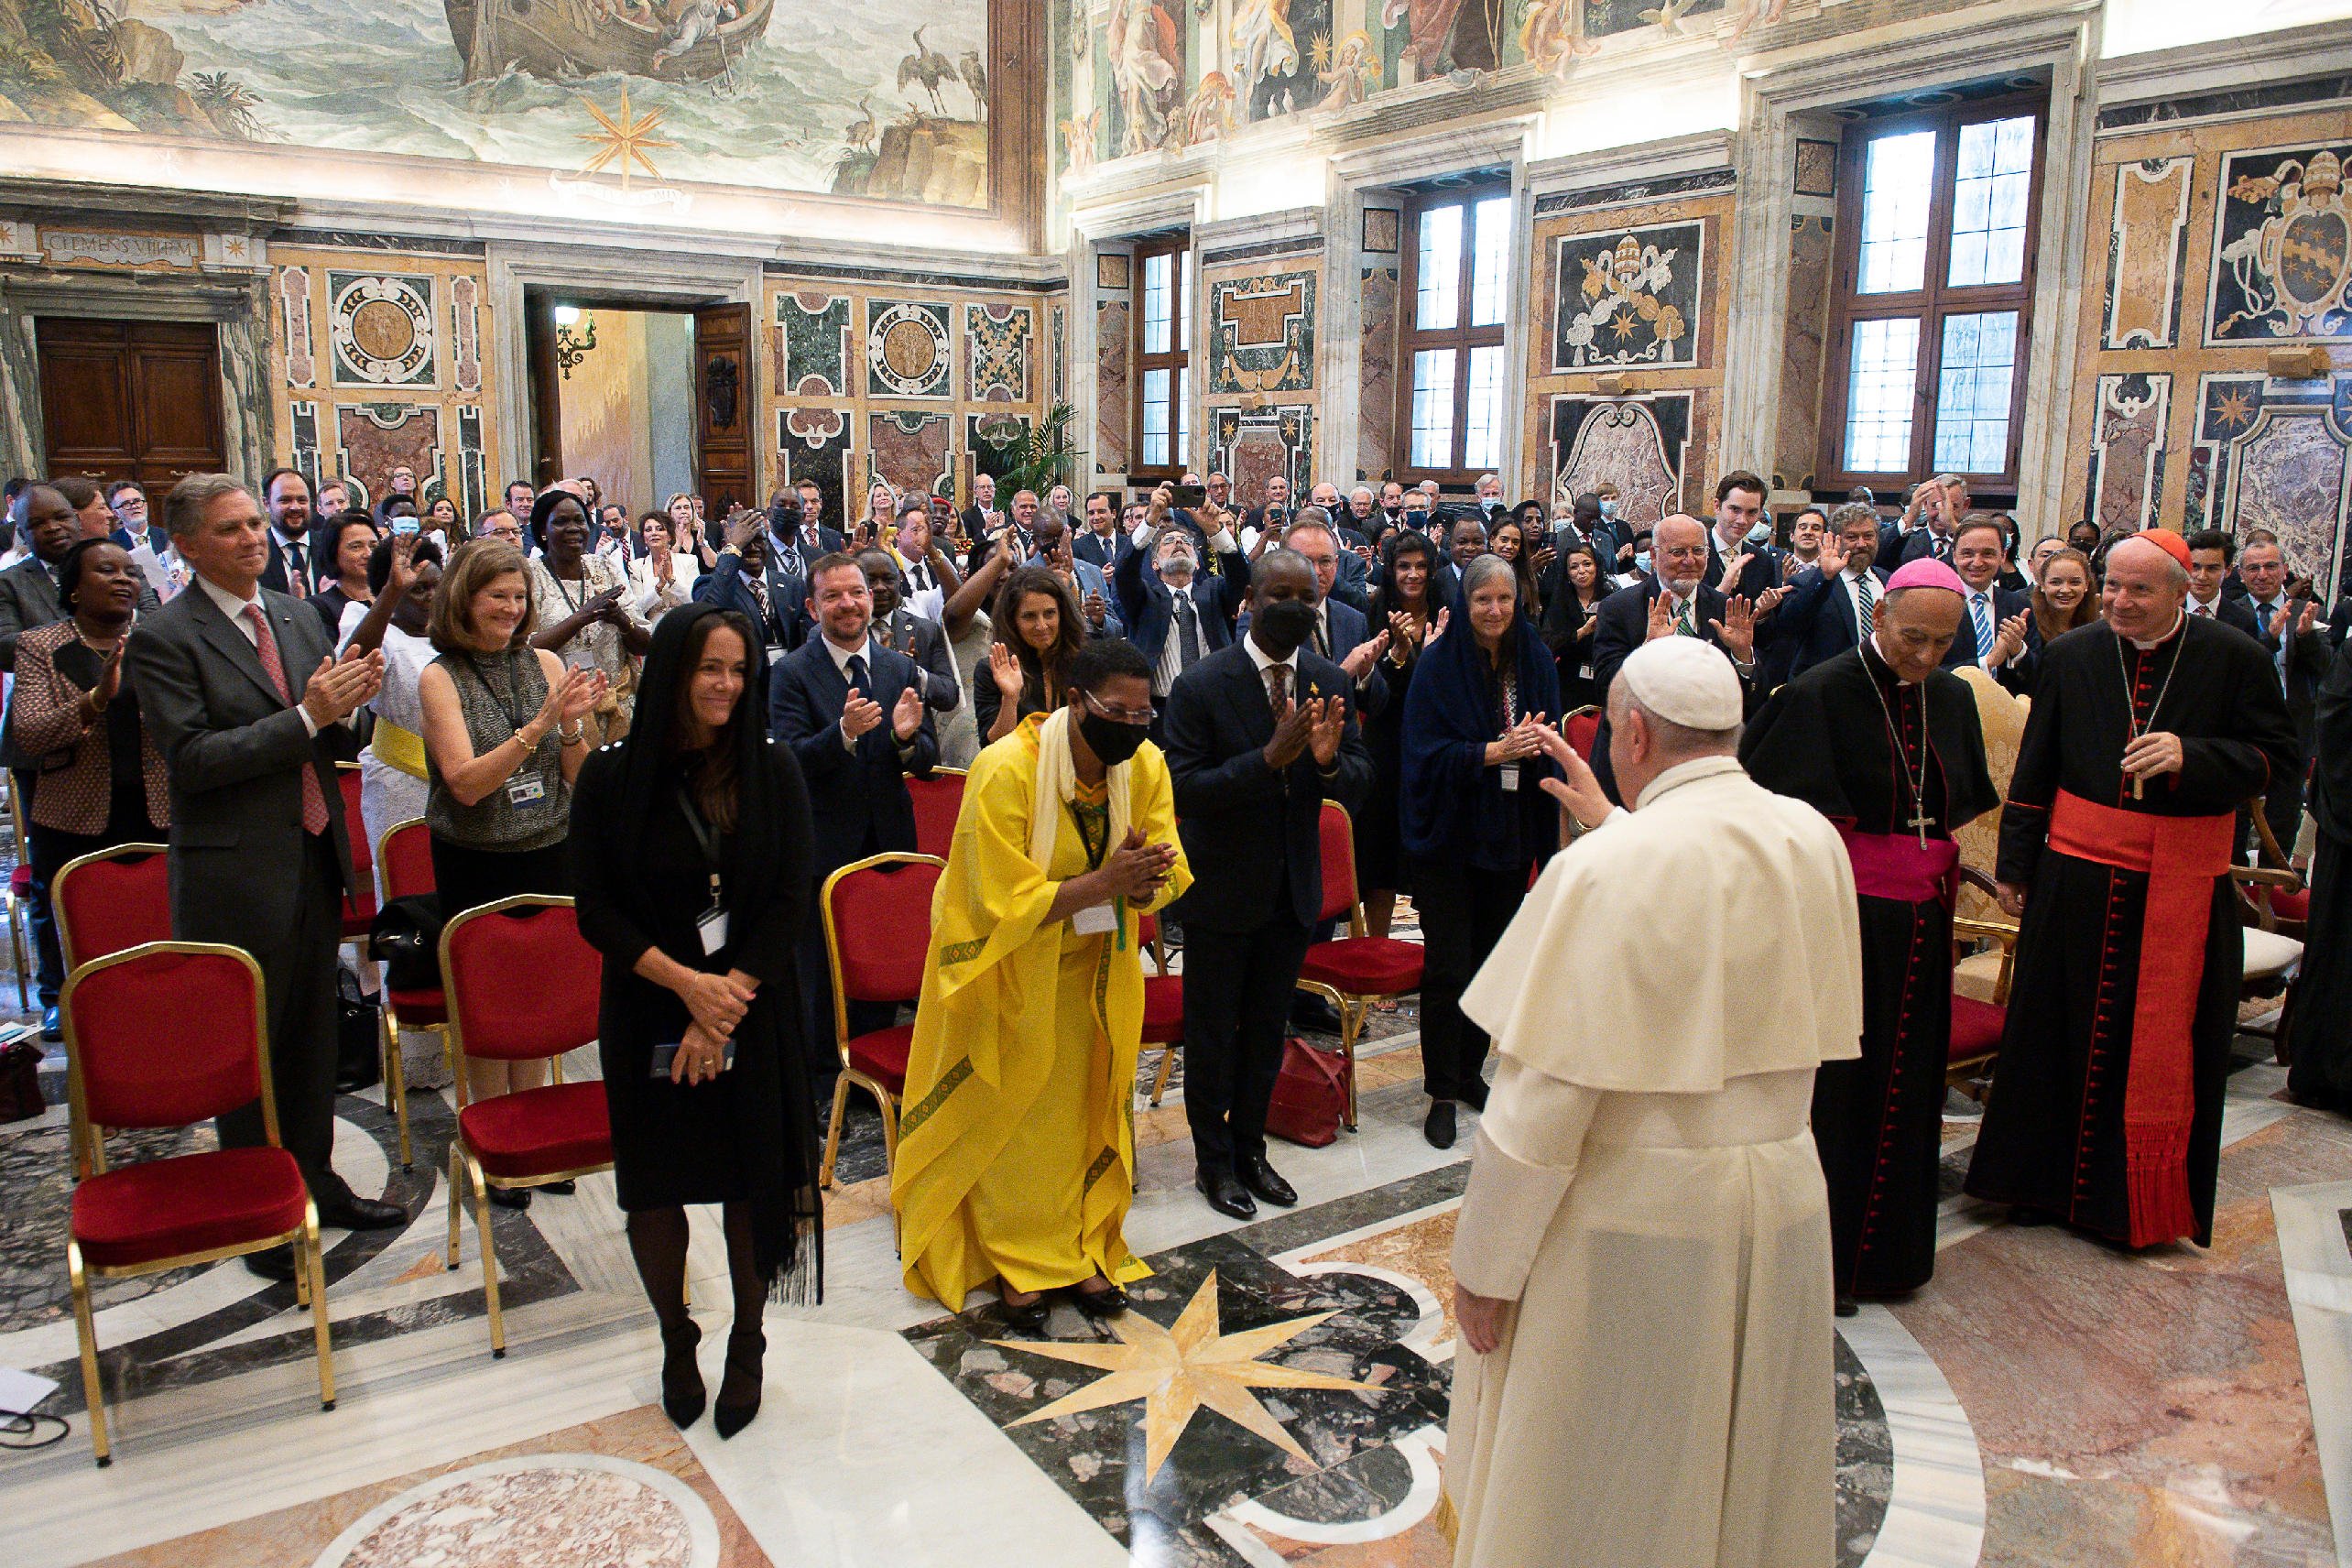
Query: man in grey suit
[29,600]
[236,684]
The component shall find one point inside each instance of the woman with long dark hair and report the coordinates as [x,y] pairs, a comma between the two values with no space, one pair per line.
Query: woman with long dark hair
[1569,623]
[691,859]
[1035,628]
[1476,820]
[1406,606]
[1517,543]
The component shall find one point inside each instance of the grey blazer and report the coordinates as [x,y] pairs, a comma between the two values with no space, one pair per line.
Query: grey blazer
[925,642]
[234,750]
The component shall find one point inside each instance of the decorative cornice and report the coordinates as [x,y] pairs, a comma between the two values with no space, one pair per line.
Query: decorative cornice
[2226,79]
[1635,192]
[1648,171]
[347,239]
[817,271]
[1295,232]
[1310,245]
[83,202]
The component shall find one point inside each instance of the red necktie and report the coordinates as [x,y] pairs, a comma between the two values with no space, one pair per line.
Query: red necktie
[314,799]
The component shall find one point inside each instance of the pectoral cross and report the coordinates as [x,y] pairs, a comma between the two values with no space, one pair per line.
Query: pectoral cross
[1921,823]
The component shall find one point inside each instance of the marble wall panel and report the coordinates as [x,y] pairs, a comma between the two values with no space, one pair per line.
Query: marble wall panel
[2146,247]
[1628,298]
[910,452]
[1057,319]
[372,438]
[2127,459]
[1262,332]
[2291,473]
[909,349]
[1253,445]
[465,333]
[812,344]
[994,440]
[1797,428]
[381,330]
[815,444]
[1000,348]
[2282,247]
[294,328]
[1640,444]
[1113,411]
[1375,408]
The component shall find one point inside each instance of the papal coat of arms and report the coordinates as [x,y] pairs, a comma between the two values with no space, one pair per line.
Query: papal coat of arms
[2286,251]
[1630,300]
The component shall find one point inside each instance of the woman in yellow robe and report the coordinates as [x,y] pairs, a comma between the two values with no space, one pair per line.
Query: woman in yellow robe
[1016,1159]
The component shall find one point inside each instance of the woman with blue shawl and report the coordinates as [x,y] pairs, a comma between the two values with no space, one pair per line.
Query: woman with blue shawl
[1474,818]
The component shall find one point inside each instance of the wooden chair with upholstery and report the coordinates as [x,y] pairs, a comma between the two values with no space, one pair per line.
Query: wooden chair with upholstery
[166,1034]
[1356,971]
[407,856]
[359,899]
[2272,906]
[1582,730]
[939,799]
[112,900]
[530,1138]
[1163,1003]
[878,933]
[1987,955]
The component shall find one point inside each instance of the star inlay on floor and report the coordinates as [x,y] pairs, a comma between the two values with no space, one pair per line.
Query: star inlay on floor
[1176,1371]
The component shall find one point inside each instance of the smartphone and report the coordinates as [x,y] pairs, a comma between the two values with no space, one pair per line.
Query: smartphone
[1187,496]
[406,523]
[665,1058]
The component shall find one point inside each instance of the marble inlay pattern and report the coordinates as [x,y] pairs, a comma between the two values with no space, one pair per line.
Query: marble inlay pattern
[1628,296]
[813,444]
[2282,247]
[909,350]
[2316,1255]
[1797,431]
[2127,462]
[556,1508]
[999,342]
[1376,408]
[812,339]
[2147,250]
[910,451]
[1636,443]
[1112,410]
[36,1173]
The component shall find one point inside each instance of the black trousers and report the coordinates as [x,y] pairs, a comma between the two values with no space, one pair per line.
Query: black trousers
[1237,988]
[40,920]
[297,977]
[1463,911]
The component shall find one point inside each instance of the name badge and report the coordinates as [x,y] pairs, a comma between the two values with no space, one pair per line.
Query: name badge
[1510,778]
[524,788]
[712,929]
[1584,672]
[1095,920]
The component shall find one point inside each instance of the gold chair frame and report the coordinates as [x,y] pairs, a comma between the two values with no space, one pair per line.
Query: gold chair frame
[1158,948]
[1352,1009]
[396,1080]
[56,905]
[463,1167]
[89,1150]
[849,1075]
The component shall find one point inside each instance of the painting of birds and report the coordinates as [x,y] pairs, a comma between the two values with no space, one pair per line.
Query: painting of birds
[928,66]
[1669,14]
[975,77]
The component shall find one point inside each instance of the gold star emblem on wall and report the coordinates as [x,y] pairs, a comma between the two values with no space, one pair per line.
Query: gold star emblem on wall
[2234,408]
[1176,1371]
[623,139]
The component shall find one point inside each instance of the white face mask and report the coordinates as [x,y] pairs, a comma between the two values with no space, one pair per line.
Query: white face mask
[1759,534]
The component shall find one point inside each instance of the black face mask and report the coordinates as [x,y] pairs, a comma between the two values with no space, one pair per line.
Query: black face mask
[1281,626]
[1111,741]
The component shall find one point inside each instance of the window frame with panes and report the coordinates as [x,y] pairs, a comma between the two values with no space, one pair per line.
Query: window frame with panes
[1954,240]
[1481,279]
[1172,327]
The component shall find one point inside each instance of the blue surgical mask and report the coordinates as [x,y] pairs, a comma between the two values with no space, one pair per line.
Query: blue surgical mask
[1608,506]
[1641,560]
[1761,533]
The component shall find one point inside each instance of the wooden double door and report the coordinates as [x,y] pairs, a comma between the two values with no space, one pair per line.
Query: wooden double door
[131,399]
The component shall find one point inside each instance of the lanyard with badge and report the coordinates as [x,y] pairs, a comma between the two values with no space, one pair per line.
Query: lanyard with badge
[1510,771]
[1094,834]
[528,784]
[710,925]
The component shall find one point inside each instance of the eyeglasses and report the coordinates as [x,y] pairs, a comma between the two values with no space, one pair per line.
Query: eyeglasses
[1120,715]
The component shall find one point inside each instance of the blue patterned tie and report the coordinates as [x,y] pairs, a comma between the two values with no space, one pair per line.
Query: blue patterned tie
[1981,609]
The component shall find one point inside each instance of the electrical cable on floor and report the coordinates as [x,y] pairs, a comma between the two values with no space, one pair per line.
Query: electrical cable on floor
[17,1424]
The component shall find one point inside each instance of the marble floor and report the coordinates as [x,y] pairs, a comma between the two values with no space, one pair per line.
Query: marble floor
[2044,1401]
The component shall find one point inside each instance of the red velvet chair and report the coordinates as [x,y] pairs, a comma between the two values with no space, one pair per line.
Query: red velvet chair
[878,933]
[359,899]
[407,856]
[938,801]
[1163,1003]
[111,901]
[523,986]
[1581,730]
[1353,971]
[163,1035]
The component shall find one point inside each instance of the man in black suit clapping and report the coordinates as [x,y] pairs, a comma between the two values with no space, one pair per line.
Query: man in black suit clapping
[1259,735]
[852,710]
[1992,620]
[1673,600]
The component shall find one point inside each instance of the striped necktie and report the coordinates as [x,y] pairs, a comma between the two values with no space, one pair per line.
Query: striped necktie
[1867,587]
[1980,610]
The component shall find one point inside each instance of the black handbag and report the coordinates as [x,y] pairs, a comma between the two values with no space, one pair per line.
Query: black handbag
[20,1081]
[359,1037]
[406,935]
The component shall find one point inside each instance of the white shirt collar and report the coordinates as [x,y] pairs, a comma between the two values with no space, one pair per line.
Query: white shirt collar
[1684,773]
[2179,617]
[231,605]
[2213,604]
[1261,659]
[841,655]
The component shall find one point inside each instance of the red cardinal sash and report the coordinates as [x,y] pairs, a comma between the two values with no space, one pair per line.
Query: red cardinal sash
[1898,867]
[2181,856]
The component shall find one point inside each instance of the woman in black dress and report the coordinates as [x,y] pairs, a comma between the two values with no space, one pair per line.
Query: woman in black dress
[1037,626]
[691,861]
[1570,622]
[1405,606]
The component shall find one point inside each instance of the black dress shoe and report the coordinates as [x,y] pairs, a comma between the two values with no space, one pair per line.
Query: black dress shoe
[1108,1302]
[277,1263]
[1226,1194]
[681,1380]
[511,1197]
[559,1188]
[1312,1013]
[51,1028]
[349,1211]
[1438,1125]
[1847,1307]
[739,1390]
[1264,1182]
[1029,1317]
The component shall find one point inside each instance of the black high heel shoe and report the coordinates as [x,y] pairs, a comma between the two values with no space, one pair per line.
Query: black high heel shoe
[1027,1316]
[745,1352]
[681,1379]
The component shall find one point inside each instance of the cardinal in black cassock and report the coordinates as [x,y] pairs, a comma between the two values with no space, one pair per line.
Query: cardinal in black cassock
[2105,1107]
[1895,759]
[2319,1037]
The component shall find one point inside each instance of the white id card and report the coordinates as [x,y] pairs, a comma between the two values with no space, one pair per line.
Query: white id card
[1095,920]
[1584,672]
[524,788]
[1510,771]
[712,929]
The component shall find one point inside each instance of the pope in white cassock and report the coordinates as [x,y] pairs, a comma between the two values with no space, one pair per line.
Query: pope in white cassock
[1642,1259]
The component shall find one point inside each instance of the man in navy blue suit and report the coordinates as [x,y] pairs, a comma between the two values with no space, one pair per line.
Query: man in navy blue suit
[1342,633]
[1993,619]
[852,710]
[1742,532]
[1100,543]
[1832,604]
[1175,612]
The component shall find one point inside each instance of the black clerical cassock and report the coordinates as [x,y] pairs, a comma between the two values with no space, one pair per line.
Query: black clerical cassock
[1896,767]
[2106,1108]
[2321,1034]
